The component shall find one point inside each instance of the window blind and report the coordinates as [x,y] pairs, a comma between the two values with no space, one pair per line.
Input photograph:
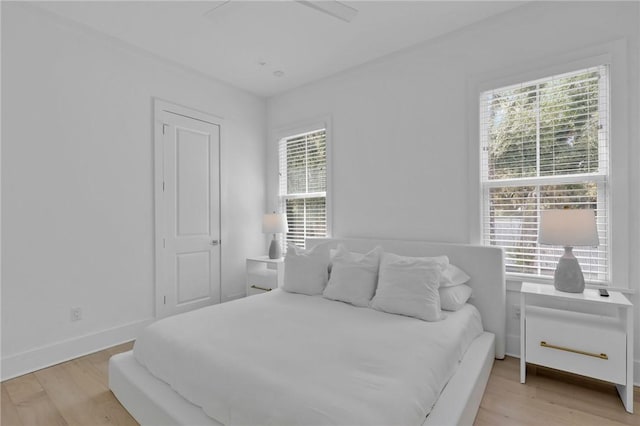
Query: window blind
[545,144]
[303,185]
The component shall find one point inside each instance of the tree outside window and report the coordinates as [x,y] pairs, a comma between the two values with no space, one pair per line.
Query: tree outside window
[545,145]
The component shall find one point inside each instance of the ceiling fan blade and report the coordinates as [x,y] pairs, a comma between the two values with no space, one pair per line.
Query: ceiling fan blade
[332,7]
[216,5]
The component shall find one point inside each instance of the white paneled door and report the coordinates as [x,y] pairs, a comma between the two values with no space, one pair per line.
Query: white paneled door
[187,212]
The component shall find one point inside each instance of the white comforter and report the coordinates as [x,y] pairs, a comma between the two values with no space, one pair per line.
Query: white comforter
[288,359]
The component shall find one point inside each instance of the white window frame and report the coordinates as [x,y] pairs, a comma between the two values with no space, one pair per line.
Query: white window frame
[599,178]
[612,54]
[291,131]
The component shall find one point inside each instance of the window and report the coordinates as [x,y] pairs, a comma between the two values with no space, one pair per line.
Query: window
[303,185]
[545,144]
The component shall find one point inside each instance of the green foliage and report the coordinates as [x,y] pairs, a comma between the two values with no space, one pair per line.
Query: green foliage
[306,171]
[540,129]
[560,118]
[306,158]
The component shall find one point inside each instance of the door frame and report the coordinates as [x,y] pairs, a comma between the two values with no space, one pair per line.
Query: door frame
[160,106]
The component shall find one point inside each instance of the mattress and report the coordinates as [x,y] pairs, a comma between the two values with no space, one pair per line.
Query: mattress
[283,358]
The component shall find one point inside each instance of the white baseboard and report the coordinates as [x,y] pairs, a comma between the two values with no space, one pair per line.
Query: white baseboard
[234,296]
[46,356]
[513,345]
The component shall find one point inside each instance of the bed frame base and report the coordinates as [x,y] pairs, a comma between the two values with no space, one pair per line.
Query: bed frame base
[459,401]
[152,402]
[149,400]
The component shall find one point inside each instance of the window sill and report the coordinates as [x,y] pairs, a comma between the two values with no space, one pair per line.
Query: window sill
[514,282]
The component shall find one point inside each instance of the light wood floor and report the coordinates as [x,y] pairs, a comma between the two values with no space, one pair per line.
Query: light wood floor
[550,397]
[76,393]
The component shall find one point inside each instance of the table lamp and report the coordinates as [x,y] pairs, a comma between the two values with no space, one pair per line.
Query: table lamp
[274,223]
[568,228]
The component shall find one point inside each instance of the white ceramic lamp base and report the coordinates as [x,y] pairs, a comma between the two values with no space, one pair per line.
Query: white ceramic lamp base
[568,276]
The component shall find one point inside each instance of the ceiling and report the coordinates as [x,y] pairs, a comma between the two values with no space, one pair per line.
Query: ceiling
[268,47]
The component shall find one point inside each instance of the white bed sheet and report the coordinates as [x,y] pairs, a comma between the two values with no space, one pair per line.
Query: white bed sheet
[255,361]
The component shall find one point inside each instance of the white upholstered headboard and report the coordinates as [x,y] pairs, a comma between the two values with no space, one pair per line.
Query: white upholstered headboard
[484,264]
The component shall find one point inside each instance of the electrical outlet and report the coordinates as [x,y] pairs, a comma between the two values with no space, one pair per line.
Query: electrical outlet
[76,314]
[516,311]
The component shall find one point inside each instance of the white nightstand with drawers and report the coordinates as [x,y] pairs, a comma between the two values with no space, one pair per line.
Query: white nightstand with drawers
[264,274]
[582,333]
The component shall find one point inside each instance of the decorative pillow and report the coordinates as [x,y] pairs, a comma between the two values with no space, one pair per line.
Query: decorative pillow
[353,276]
[454,298]
[452,276]
[306,271]
[409,286]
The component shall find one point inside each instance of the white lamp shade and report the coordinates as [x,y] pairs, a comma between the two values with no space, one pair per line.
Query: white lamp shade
[568,227]
[274,223]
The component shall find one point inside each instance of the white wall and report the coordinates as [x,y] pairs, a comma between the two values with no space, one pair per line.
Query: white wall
[401,127]
[77,184]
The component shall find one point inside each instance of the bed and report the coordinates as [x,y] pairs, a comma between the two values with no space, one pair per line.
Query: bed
[154,402]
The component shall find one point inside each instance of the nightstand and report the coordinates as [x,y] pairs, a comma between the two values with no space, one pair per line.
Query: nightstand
[581,333]
[264,274]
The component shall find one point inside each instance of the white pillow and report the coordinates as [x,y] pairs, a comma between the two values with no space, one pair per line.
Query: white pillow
[452,276]
[409,286]
[454,298]
[305,271]
[353,276]
[441,261]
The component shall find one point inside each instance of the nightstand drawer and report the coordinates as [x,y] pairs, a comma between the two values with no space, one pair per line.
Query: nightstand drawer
[265,278]
[263,274]
[256,289]
[579,343]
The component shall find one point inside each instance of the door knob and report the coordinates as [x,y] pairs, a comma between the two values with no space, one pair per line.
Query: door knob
[215,242]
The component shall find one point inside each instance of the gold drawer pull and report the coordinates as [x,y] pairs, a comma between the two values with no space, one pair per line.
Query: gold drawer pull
[575,351]
[261,288]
